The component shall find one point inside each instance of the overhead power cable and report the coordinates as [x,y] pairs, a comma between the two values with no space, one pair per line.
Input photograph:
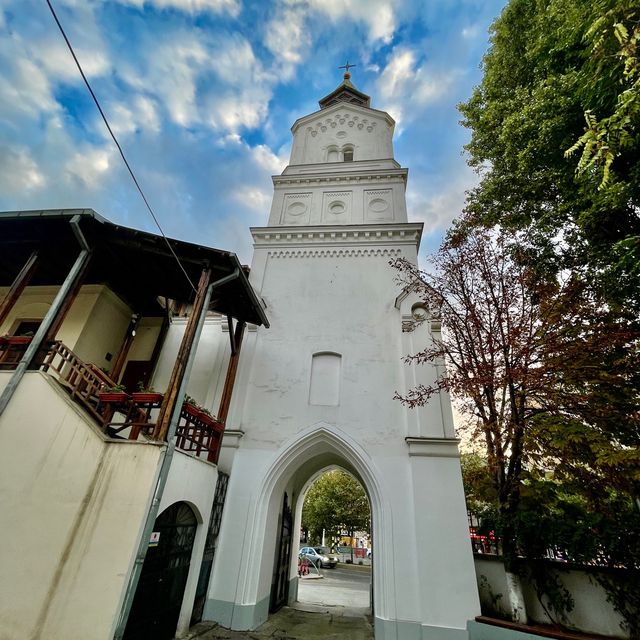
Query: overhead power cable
[124,159]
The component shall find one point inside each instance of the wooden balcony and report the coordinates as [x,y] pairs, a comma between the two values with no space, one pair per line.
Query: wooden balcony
[12,348]
[127,416]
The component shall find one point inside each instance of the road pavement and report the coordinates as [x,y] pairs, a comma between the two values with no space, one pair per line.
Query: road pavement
[345,586]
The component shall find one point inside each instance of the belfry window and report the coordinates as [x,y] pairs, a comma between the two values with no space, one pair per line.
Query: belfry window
[347,154]
[332,154]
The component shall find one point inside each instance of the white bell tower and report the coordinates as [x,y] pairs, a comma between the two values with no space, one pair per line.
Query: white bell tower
[316,390]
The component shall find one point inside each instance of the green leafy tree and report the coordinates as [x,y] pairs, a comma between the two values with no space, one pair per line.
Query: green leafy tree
[549,62]
[336,502]
[542,368]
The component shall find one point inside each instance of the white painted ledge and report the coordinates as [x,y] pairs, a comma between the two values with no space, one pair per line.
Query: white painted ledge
[433,447]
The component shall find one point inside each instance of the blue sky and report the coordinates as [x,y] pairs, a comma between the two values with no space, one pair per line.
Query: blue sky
[202,95]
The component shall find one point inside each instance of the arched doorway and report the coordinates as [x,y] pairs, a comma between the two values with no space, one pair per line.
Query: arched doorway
[156,606]
[335,537]
[314,452]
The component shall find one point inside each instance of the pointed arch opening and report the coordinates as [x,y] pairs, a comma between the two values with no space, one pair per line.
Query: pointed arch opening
[301,461]
[335,542]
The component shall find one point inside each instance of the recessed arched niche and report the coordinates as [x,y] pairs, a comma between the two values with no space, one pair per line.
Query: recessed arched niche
[324,383]
[332,154]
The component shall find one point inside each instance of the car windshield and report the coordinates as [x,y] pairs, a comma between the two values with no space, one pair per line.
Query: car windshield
[322,550]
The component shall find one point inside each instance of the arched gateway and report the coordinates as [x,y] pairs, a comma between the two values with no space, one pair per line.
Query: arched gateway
[316,390]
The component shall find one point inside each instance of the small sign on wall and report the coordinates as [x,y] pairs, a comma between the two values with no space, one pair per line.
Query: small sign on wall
[155,538]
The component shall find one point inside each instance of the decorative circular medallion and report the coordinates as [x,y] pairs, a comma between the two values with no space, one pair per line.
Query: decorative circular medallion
[341,134]
[336,207]
[378,205]
[419,311]
[296,208]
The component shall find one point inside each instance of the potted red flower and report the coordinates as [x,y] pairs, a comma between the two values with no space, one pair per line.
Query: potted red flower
[191,407]
[146,395]
[115,394]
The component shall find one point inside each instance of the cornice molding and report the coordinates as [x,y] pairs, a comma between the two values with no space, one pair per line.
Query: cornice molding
[353,236]
[334,253]
[351,178]
[231,438]
[433,447]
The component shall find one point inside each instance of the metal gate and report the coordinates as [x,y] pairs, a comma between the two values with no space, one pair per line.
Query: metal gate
[156,606]
[210,547]
[280,586]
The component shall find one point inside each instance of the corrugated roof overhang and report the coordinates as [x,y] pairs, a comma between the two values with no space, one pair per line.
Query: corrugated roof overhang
[137,265]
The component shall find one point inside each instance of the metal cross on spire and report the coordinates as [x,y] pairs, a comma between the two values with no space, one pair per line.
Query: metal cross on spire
[346,68]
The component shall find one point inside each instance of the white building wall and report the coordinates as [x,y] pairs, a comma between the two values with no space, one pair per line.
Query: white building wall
[322,269]
[72,507]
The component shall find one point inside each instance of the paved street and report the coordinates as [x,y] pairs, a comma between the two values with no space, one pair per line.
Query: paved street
[334,607]
[343,586]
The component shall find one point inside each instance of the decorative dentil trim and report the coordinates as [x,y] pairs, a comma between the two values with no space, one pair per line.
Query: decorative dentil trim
[333,253]
[310,180]
[338,235]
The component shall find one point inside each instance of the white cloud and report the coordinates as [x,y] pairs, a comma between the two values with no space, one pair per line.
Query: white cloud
[55,58]
[406,87]
[378,15]
[287,37]
[171,73]
[19,172]
[89,166]
[205,80]
[437,205]
[232,7]
[140,114]
[472,32]
[268,160]
[254,198]
[24,88]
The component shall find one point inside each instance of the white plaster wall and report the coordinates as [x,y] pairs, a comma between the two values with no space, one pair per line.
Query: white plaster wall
[34,303]
[443,556]
[345,306]
[369,131]
[591,614]
[103,330]
[306,200]
[72,506]
[210,366]
[94,326]
[328,287]
[145,339]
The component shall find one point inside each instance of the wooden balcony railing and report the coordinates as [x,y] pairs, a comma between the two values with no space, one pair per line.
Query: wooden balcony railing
[130,416]
[12,349]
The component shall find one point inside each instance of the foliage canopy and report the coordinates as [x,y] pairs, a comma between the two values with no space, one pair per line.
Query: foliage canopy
[336,502]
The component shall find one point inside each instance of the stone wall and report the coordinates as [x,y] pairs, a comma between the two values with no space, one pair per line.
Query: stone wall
[591,612]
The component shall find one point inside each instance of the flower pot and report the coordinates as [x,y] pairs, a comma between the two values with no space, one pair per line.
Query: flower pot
[146,397]
[113,396]
[191,410]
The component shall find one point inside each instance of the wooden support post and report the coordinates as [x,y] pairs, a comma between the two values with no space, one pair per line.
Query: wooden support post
[21,281]
[232,369]
[61,315]
[124,349]
[171,394]
[157,349]
[68,302]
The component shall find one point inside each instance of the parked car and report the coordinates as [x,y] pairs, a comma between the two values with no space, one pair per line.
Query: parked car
[320,556]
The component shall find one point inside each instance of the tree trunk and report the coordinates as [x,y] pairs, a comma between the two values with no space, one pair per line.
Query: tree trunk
[515,597]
